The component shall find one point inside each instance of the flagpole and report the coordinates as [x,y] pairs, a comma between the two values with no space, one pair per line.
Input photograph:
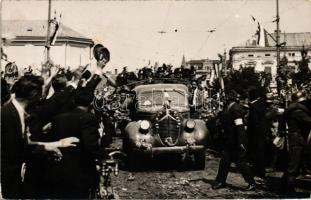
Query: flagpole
[277,36]
[47,45]
[1,35]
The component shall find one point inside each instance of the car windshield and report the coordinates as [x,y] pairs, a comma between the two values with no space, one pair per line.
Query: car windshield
[155,98]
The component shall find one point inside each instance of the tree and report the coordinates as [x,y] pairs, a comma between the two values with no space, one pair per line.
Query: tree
[303,76]
[243,80]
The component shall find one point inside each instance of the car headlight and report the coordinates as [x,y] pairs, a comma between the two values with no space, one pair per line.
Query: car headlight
[144,126]
[190,124]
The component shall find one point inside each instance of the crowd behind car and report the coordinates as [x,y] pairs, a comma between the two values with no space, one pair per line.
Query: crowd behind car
[52,134]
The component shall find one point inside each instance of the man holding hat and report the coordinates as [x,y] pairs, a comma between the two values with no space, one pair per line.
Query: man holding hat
[102,56]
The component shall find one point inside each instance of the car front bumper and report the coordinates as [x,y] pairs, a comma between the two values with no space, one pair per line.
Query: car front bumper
[174,150]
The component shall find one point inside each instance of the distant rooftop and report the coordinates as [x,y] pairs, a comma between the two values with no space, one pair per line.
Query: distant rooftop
[291,39]
[37,29]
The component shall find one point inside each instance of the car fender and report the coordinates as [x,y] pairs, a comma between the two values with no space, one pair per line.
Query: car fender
[200,133]
[133,134]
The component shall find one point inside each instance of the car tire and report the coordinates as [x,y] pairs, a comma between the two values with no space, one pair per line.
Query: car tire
[199,160]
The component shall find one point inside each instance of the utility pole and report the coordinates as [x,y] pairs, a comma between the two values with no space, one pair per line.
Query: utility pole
[277,36]
[47,44]
[1,45]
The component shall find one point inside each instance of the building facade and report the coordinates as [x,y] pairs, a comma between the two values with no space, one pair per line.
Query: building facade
[263,58]
[202,67]
[25,42]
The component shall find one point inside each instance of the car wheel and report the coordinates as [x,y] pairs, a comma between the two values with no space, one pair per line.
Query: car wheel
[199,160]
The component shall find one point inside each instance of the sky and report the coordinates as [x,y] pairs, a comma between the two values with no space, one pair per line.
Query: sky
[130,29]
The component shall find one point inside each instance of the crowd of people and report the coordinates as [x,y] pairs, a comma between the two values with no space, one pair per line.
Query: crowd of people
[262,137]
[51,141]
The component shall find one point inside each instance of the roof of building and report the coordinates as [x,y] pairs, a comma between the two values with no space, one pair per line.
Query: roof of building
[291,39]
[36,29]
[200,61]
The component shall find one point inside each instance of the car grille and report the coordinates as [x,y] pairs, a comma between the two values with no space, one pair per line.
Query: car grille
[168,131]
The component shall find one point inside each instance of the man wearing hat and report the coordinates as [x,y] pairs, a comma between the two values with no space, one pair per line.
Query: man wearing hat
[298,119]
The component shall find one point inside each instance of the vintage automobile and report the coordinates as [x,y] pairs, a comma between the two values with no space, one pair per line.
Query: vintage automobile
[161,124]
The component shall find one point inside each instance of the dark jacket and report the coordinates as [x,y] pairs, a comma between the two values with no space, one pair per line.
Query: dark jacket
[298,119]
[60,102]
[37,177]
[257,127]
[42,114]
[234,133]
[12,148]
[75,174]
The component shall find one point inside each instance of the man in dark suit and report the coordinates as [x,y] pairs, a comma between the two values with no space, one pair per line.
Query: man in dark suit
[298,118]
[35,183]
[61,101]
[257,131]
[75,175]
[36,177]
[26,89]
[235,142]
[5,92]
[15,143]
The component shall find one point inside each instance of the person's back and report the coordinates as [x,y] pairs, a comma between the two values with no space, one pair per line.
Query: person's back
[75,173]
[295,122]
[298,120]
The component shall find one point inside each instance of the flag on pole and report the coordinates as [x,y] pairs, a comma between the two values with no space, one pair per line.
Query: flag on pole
[56,30]
[222,84]
[259,33]
[212,77]
[215,67]
[183,61]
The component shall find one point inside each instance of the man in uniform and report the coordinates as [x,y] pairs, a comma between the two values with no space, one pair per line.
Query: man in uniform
[235,140]
[298,119]
[257,130]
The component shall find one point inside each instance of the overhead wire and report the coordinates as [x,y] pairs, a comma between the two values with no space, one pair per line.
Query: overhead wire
[164,26]
[227,19]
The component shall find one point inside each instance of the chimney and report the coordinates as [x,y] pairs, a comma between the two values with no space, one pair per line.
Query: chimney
[115,71]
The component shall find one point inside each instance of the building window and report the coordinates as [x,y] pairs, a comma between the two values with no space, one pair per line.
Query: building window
[250,55]
[291,54]
[200,67]
[267,54]
[268,70]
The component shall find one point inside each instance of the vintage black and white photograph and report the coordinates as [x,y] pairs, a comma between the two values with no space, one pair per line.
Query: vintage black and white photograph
[155,99]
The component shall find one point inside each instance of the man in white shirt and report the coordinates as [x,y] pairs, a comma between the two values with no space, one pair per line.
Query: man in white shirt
[14,138]
[12,134]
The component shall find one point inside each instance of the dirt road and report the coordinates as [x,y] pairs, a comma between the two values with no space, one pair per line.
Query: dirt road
[166,179]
